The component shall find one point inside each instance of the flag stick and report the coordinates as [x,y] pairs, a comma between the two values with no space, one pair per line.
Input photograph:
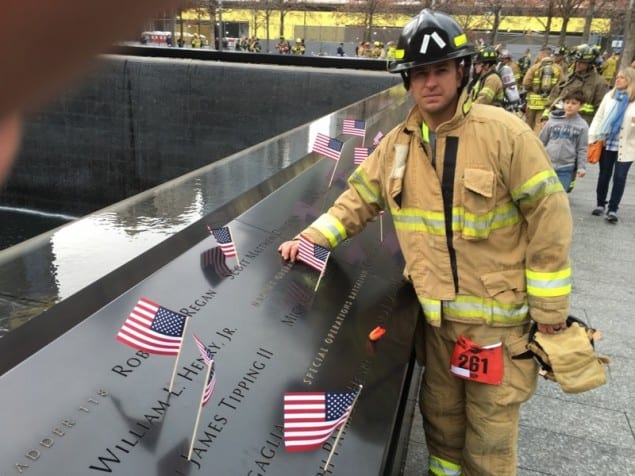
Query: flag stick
[176,362]
[333,173]
[364,137]
[339,433]
[200,407]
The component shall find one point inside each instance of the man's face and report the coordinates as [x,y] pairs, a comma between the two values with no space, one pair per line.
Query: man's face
[581,67]
[435,89]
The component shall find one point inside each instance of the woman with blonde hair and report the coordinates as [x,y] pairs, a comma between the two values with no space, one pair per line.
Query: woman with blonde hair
[614,123]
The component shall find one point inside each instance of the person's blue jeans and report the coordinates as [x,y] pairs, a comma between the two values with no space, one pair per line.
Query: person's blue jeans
[609,166]
[565,175]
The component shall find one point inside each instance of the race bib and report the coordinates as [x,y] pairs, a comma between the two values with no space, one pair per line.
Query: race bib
[479,364]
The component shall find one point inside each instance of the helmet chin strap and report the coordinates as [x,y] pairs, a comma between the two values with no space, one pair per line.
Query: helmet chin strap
[406,79]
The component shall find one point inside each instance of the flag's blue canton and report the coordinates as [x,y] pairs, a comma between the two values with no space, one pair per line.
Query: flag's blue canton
[320,252]
[360,124]
[337,403]
[222,235]
[168,323]
[335,144]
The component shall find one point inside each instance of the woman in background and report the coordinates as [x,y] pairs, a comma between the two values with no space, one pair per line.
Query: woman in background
[614,124]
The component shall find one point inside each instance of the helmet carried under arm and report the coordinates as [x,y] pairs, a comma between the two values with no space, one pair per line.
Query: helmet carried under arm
[430,37]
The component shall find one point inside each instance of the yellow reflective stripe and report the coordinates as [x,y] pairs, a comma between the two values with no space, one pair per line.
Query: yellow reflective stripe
[540,185]
[549,284]
[411,219]
[480,226]
[425,132]
[441,467]
[431,308]
[486,309]
[475,308]
[469,224]
[370,193]
[331,228]
[489,93]
[587,108]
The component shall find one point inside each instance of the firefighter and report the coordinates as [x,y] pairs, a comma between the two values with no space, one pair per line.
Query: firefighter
[539,81]
[609,68]
[298,47]
[283,46]
[584,77]
[505,58]
[486,87]
[485,229]
[560,58]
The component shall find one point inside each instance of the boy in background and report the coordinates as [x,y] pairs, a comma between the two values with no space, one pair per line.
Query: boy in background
[565,138]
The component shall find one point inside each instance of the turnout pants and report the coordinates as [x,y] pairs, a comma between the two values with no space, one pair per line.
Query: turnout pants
[472,428]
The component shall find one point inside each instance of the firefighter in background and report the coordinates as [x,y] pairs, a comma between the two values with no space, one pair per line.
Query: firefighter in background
[584,77]
[539,81]
[283,46]
[196,41]
[509,73]
[505,59]
[377,51]
[609,68]
[560,58]
[485,230]
[298,47]
[486,87]
[524,62]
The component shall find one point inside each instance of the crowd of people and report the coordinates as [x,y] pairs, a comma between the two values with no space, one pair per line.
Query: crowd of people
[568,97]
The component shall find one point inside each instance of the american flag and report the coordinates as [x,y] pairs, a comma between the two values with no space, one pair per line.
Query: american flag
[224,238]
[378,137]
[215,259]
[328,146]
[153,329]
[361,153]
[311,417]
[354,127]
[208,358]
[312,254]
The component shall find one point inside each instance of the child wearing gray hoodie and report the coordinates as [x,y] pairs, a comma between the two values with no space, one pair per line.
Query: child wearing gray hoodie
[565,137]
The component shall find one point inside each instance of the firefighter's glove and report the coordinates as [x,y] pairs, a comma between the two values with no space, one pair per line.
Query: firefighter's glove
[569,358]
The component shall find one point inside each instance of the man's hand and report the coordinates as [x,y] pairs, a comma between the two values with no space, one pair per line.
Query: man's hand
[289,250]
[552,328]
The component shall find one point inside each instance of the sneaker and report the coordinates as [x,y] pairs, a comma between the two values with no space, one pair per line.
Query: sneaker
[598,211]
[611,217]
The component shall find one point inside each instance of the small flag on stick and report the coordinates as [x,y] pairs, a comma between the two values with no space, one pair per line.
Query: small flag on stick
[210,378]
[328,146]
[153,329]
[354,127]
[208,359]
[310,418]
[224,238]
[361,153]
[314,255]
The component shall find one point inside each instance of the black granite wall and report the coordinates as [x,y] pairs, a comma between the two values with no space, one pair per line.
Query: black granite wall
[137,122]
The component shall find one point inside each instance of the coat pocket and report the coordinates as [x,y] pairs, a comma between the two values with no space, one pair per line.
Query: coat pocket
[479,199]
